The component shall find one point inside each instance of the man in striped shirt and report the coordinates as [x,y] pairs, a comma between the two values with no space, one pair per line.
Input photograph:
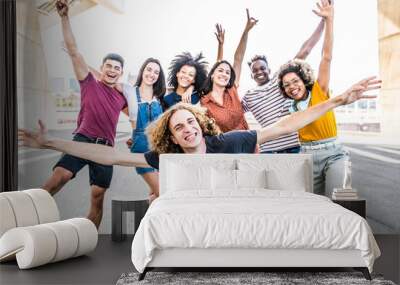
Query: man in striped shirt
[266,102]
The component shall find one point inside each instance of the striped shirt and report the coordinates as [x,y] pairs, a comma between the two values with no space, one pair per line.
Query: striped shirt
[268,106]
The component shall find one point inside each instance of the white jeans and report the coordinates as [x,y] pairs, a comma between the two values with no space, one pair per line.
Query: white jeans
[328,164]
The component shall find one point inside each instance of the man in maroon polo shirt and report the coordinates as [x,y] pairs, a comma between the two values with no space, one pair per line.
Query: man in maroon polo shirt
[97,119]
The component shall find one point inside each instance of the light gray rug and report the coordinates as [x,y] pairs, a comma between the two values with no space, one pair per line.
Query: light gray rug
[243,278]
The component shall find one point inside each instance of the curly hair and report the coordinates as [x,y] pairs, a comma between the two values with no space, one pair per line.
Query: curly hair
[208,84]
[186,58]
[301,68]
[159,134]
[257,57]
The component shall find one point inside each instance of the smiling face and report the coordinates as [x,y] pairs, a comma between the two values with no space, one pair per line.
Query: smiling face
[294,87]
[111,71]
[150,74]
[186,76]
[222,75]
[260,72]
[186,131]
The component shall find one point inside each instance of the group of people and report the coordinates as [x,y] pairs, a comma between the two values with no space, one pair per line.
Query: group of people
[203,114]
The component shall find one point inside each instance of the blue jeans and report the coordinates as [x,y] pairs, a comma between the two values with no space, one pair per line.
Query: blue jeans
[328,164]
[147,112]
[140,145]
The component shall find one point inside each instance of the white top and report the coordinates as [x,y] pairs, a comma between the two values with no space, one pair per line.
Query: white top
[129,92]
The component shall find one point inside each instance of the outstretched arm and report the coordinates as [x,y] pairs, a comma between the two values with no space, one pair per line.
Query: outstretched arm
[325,10]
[98,153]
[220,34]
[296,121]
[94,71]
[80,67]
[241,49]
[309,44]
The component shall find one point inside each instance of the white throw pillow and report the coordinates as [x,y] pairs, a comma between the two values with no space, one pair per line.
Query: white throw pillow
[251,179]
[291,179]
[223,179]
[283,172]
[184,177]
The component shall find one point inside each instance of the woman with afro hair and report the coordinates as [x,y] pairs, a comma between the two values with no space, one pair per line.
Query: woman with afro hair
[296,81]
[186,75]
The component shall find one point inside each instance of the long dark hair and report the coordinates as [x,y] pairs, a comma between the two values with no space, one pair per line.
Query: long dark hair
[208,84]
[186,58]
[159,86]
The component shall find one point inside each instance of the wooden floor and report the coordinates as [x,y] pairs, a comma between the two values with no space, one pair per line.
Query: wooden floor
[111,259]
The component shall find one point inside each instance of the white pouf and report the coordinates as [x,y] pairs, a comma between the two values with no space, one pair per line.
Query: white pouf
[31,232]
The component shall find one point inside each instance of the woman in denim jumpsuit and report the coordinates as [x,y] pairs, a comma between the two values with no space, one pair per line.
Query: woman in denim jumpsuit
[145,99]
[148,111]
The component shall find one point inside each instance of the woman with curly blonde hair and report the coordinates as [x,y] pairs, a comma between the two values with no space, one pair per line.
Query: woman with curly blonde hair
[296,81]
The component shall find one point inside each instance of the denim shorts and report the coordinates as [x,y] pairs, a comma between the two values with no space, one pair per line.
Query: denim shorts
[99,174]
[140,145]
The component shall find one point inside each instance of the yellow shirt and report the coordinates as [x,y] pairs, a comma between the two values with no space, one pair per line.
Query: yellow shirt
[325,126]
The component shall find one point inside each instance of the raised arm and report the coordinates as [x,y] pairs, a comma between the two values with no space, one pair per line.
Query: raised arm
[309,44]
[325,10]
[220,34]
[241,49]
[296,121]
[95,72]
[80,67]
[98,153]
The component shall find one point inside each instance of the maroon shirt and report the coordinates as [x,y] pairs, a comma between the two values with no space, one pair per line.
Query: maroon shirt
[100,108]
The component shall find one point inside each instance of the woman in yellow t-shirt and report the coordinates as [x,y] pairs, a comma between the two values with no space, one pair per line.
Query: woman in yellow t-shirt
[296,81]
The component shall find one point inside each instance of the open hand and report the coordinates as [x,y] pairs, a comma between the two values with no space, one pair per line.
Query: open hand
[325,9]
[356,91]
[251,22]
[33,139]
[220,34]
[62,7]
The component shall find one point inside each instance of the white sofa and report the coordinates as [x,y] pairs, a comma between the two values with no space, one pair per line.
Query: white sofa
[31,231]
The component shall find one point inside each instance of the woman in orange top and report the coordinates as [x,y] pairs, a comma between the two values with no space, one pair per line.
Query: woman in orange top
[220,95]
[296,80]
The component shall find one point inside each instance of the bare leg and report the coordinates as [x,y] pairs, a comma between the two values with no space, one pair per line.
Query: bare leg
[96,204]
[151,179]
[57,180]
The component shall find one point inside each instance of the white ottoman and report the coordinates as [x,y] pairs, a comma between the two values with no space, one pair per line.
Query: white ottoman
[31,232]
